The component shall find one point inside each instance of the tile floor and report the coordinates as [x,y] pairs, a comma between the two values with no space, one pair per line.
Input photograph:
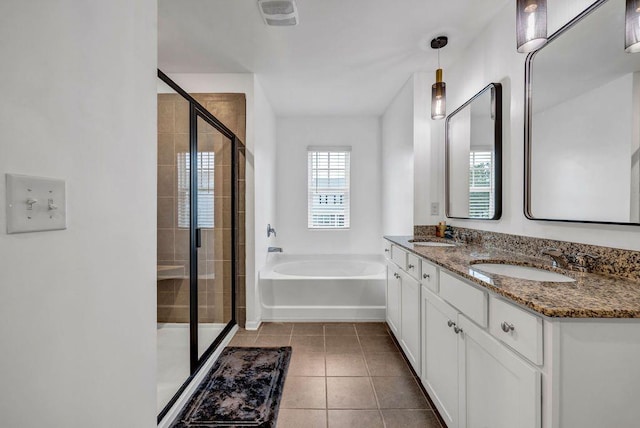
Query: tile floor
[344,375]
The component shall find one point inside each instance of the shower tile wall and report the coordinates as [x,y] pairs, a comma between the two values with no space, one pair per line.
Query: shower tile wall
[214,298]
[173,242]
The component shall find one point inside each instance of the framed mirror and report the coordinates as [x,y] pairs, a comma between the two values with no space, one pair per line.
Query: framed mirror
[473,164]
[582,122]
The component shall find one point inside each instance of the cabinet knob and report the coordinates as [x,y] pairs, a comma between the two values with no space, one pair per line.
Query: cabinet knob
[426,276]
[507,327]
[395,274]
[457,329]
[410,266]
[450,323]
[386,250]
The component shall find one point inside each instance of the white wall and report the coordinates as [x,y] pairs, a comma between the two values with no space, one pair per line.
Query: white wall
[78,306]
[426,188]
[397,163]
[260,163]
[492,57]
[265,194]
[408,159]
[364,136]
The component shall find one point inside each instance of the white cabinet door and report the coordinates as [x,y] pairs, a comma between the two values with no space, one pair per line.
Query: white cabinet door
[393,299]
[440,355]
[410,320]
[498,389]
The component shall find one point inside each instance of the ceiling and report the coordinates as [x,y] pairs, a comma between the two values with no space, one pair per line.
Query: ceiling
[346,57]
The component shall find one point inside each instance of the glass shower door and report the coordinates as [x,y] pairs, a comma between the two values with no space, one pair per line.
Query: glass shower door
[214,233]
[197,237]
[173,256]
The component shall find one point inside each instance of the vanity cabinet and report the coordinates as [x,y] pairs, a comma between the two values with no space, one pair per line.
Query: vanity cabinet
[497,388]
[410,320]
[488,362]
[403,303]
[473,379]
[440,355]
[387,250]
[393,298]
[429,277]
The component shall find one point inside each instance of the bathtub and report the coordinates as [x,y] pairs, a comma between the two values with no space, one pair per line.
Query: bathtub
[323,288]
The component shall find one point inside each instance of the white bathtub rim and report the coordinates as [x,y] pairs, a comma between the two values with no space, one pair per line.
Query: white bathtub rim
[268,271]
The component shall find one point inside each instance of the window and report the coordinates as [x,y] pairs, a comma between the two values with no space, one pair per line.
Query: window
[206,162]
[328,192]
[481,184]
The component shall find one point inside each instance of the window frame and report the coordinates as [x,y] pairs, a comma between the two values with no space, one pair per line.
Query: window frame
[331,190]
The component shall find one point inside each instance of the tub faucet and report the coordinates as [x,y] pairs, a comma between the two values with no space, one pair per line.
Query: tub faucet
[274,250]
[270,230]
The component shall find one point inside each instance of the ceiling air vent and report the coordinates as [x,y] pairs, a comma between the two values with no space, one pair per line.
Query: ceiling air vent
[279,13]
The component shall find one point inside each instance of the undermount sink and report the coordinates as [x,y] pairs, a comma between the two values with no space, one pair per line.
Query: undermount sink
[522,272]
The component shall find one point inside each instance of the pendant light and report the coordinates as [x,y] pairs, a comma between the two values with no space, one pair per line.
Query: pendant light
[632,27]
[438,89]
[531,24]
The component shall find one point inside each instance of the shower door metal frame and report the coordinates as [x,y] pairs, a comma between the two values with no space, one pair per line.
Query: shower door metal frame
[197,110]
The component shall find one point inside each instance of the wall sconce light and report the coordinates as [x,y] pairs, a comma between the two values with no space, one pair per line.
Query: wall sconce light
[439,89]
[632,27]
[531,24]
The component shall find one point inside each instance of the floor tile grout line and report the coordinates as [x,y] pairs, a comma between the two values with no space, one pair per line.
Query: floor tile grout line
[375,393]
[326,382]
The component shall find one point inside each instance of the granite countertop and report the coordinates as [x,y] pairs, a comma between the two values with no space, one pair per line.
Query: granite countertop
[590,296]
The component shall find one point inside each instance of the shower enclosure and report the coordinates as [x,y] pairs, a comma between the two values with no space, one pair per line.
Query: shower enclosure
[198,229]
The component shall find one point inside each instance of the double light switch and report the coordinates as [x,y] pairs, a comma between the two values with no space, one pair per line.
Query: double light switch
[35,204]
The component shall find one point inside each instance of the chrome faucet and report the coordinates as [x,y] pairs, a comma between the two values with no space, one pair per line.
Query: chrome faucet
[274,250]
[558,257]
[270,230]
[465,237]
[582,262]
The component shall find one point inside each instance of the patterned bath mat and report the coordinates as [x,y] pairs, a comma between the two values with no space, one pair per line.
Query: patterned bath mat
[243,389]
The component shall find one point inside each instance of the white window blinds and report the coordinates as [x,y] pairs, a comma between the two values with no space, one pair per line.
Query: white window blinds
[481,184]
[206,170]
[328,188]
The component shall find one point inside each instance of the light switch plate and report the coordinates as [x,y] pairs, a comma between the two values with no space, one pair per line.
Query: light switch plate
[35,204]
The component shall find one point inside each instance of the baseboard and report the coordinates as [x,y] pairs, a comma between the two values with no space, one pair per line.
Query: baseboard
[189,390]
[252,325]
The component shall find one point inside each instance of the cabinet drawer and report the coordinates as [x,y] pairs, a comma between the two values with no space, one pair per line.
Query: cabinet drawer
[387,250]
[469,300]
[413,266]
[429,276]
[517,328]
[399,256]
